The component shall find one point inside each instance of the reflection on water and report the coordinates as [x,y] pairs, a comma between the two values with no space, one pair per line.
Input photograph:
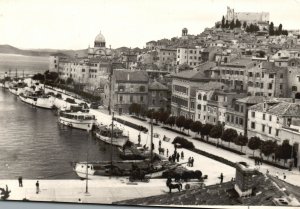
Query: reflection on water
[34,145]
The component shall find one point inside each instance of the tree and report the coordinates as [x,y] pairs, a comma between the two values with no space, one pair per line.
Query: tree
[196,126]
[244,25]
[69,81]
[271,29]
[285,32]
[229,135]
[241,140]
[223,22]
[38,77]
[254,143]
[217,25]
[216,132]
[180,122]
[267,148]
[232,25]
[156,115]
[164,117]
[280,29]
[149,113]
[171,121]
[226,24]
[206,130]
[238,23]
[286,150]
[187,124]
[184,67]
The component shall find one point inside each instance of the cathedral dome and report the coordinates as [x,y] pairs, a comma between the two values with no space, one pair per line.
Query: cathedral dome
[99,38]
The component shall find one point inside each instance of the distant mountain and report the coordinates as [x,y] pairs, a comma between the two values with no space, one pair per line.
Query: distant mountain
[7,49]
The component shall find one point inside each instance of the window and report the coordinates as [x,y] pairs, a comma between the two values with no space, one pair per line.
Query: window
[228,118]
[264,116]
[250,74]
[142,98]
[271,76]
[236,120]
[199,96]
[232,119]
[277,132]
[83,70]
[270,117]
[241,121]
[270,130]
[204,97]
[121,98]
[253,114]
[242,108]
[142,88]
[199,106]
[252,125]
[204,107]
[281,75]
[131,98]
[153,101]
[263,128]
[280,86]
[270,86]
[294,88]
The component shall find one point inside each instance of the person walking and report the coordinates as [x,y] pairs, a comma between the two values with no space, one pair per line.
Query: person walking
[139,139]
[37,185]
[177,157]
[221,178]
[277,175]
[284,176]
[192,162]
[182,155]
[189,162]
[20,181]
[159,143]
[167,152]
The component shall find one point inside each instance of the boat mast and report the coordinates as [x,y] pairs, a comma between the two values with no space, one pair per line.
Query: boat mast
[151,142]
[87,158]
[111,142]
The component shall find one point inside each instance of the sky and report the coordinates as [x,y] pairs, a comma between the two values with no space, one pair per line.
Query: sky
[74,24]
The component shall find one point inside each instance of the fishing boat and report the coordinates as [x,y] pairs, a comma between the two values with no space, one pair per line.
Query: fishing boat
[79,120]
[96,170]
[37,99]
[116,138]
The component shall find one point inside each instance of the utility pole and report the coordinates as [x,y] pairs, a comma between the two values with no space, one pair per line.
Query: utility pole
[151,146]
[111,140]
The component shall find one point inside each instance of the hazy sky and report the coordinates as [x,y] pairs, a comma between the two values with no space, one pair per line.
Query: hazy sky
[73,24]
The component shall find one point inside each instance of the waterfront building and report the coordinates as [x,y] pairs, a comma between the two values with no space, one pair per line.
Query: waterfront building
[57,61]
[158,96]
[127,87]
[266,120]
[184,86]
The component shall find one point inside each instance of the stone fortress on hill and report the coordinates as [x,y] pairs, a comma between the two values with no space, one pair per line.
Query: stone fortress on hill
[249,17]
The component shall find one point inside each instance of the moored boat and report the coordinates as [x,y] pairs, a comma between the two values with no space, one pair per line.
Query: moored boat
[104,133]
[37,99]
[79,120]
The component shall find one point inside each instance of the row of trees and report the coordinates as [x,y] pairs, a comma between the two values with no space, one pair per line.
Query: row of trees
[283,151]
[279,31]
[233,24]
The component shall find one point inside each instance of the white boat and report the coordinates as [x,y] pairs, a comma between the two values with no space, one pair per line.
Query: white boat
[104,134]
[79,120]
[37,99]
[124,168]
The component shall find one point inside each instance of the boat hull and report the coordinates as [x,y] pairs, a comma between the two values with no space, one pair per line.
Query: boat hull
[46,103]
[120,142]
[83,125]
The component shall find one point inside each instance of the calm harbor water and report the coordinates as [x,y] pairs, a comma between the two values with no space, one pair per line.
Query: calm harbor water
[34,145]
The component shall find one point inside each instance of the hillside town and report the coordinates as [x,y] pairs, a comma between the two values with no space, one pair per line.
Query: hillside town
[222,107]
[246,81]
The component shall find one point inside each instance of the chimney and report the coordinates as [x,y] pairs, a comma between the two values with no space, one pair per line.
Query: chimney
[128,77]
[243,179]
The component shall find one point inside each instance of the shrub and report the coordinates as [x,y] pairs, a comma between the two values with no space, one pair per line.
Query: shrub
[183,142]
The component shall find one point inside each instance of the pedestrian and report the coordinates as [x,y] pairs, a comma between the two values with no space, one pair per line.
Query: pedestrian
[20,181]
[173,158]
[221,178]
[189,162]
[192,162]
[37,185]
[284,176]
[182,155]
[167,152]
[159,143]
[267,171]
[170,158]
[277,175]
[164,138]
[79,200]
[177,157]
[152,146]
[139,139]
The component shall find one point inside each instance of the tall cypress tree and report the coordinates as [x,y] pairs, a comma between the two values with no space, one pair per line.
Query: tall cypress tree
[223,22]
[271,29]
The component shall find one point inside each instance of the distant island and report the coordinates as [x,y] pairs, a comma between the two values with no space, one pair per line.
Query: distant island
[7,49]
